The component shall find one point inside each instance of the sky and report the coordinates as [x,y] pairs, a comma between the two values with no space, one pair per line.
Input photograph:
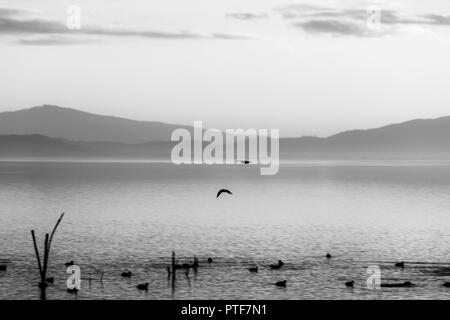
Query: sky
[304,67]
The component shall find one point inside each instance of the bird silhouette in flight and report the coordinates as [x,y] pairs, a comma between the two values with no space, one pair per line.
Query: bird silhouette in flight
[223,191]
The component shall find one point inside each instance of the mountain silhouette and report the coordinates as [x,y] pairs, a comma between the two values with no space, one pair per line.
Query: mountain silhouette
[421,139]
[53,133]
[39,147]
[71,124]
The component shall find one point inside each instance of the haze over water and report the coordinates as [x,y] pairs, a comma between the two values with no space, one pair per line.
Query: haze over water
[132,215]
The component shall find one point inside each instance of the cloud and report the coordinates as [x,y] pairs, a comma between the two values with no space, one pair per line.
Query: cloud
[436,19]
[353,22]
[12,22]
[247,16]
[6,12]
[333,27]
[14,26]
[54,40]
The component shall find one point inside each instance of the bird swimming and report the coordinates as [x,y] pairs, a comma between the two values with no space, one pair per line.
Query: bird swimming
[210,260]
[70,263]
[50,280]
[328,256]
[223,191]
[143,286]
[350,283]
[446,284]
[278,265]
[281,283]
[400,264]
[3,267]
[73,290]
[253,269]
[126,274]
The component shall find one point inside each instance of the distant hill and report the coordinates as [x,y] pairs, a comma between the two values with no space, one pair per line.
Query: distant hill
[54,133]
[39,147]
[71,124]
[418,139]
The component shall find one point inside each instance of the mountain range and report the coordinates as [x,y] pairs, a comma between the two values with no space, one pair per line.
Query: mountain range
[71,124]
[51,132]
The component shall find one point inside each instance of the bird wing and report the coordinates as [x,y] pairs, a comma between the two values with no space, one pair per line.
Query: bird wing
[222,191]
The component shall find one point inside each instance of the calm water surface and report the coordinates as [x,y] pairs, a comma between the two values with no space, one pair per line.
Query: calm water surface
[132,215]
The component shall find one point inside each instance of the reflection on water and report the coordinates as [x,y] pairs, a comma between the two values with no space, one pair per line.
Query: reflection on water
[131,216]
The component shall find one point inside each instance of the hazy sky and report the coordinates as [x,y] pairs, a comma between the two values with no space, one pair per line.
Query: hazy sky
[305,67]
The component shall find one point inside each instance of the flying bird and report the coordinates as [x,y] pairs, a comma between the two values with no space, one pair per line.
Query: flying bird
[223,191]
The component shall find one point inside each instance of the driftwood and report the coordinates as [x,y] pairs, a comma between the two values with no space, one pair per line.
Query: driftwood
[43,265]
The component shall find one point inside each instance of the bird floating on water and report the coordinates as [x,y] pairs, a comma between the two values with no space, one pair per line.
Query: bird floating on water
[278,265]
[281,283]
[328,256]
[223,191]
[253,269]
[126,274]
[210,260]
[70,263]
[446,284]
[50,280]
[73,290]
[142,286]
[400,264]
[350,283]
[3,267]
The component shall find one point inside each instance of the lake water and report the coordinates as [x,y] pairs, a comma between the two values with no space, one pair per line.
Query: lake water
[133,215]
